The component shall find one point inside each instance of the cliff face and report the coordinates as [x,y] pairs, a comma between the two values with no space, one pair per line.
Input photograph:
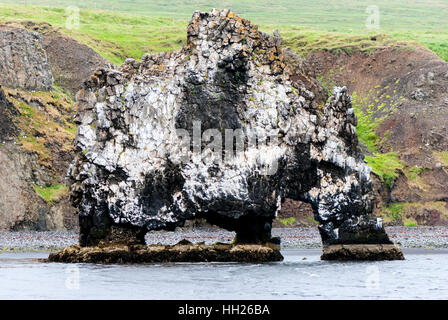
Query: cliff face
[7,111]
[153,145]
[36,125]
[24,62]
[402,96]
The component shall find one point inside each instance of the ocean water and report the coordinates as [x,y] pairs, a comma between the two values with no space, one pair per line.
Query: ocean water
[302,275]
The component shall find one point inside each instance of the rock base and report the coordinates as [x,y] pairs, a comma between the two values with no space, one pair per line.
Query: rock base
[370,252]
[184,251]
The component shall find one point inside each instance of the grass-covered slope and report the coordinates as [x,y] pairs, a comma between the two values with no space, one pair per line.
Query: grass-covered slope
[160,25]
[115,36]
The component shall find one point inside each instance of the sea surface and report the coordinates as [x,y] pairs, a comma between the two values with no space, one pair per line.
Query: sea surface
[302,275]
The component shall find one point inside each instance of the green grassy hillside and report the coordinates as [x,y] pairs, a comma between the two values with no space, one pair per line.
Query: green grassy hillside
[341,15]
[150,26]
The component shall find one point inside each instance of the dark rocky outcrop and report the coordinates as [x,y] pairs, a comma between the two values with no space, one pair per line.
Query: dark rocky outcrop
[23,61]
[70,61]
[135,171]
[7,111]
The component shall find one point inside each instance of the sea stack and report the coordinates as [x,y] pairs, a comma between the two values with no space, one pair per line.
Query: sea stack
[223,129]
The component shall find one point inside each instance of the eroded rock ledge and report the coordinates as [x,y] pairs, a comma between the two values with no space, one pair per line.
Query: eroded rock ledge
[184,251]
[348,252]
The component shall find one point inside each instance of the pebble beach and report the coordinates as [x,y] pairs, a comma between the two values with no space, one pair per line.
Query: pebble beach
[300,238]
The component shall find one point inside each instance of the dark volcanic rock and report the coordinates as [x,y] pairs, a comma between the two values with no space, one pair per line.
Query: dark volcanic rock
[8,130]
[137,170]
[24,62]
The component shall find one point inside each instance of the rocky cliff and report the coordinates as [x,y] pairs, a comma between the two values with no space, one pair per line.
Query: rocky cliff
[153,148]
[24,62]
[36,125]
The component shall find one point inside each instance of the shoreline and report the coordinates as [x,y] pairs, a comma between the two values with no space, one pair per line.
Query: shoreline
[292,238]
